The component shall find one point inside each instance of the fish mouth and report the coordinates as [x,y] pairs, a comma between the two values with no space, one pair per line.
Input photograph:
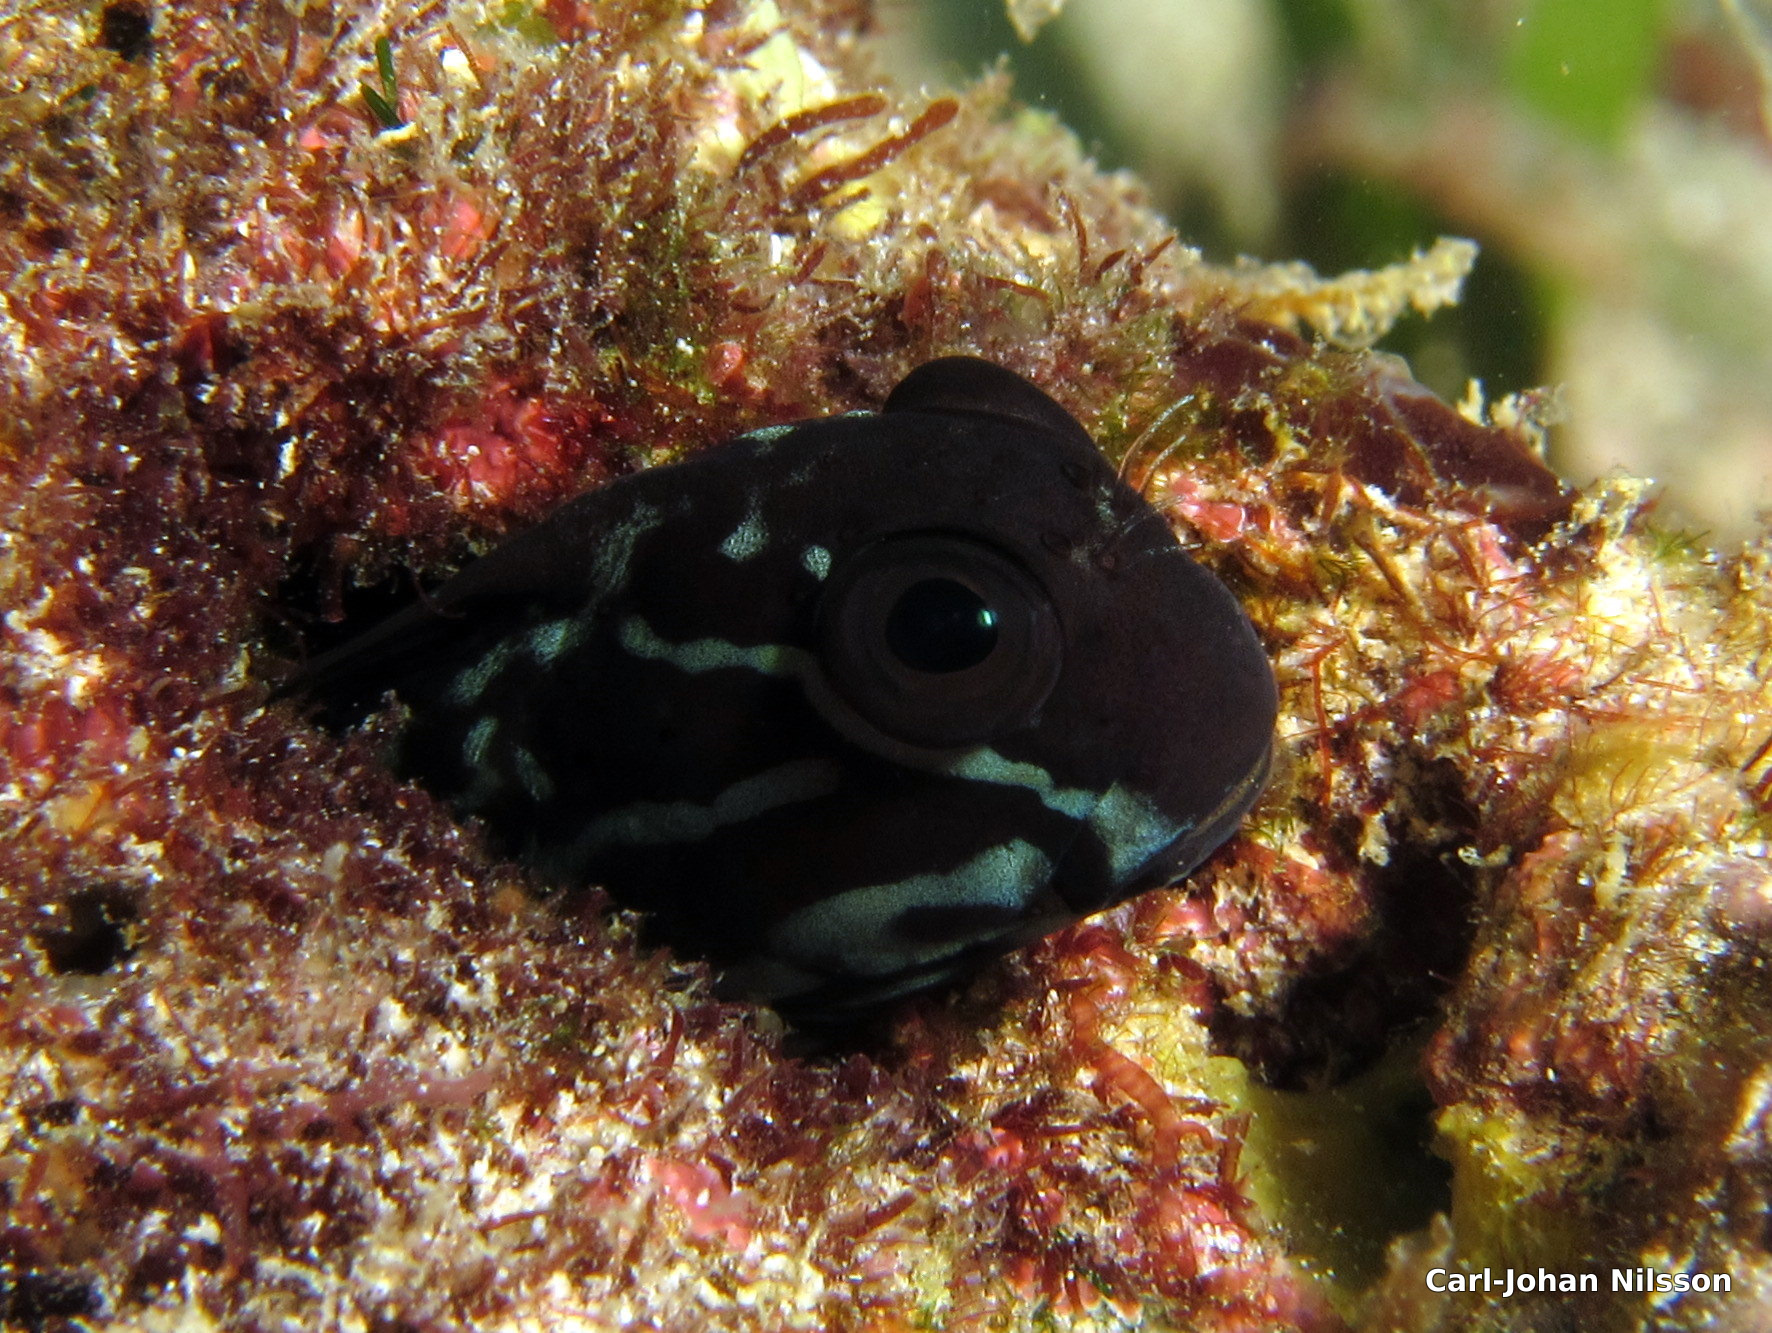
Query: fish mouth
[1217,827]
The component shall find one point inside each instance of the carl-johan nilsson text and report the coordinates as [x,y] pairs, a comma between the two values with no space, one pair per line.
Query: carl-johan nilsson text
[1508,1282]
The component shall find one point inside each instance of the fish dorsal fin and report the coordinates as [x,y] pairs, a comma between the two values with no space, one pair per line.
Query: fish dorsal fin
[967,385]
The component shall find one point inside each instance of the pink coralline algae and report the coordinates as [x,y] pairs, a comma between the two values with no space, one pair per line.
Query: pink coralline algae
[282,1045]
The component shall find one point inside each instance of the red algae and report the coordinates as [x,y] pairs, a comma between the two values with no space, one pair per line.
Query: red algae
[282,1044]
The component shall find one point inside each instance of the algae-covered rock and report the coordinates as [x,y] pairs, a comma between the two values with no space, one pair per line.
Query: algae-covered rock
[284,1046]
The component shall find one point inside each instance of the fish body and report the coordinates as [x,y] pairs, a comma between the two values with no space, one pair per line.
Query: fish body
[844,706]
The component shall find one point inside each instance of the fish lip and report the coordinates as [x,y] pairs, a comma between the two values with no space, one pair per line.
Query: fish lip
[1216,828]
[1222,823]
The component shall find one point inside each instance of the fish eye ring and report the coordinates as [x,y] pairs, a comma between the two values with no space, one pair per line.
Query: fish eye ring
[939,640]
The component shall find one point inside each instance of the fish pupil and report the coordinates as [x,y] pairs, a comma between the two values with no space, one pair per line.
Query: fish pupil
[941,626]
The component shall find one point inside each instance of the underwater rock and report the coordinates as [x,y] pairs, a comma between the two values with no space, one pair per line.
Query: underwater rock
[281,1035]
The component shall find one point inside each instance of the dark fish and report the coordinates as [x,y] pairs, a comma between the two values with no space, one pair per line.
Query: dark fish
[845,706]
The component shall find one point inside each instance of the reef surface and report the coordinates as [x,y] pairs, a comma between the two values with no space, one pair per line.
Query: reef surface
[301,301]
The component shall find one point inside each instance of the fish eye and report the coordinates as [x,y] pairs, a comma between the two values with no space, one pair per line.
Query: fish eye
[940,626]
[939,640]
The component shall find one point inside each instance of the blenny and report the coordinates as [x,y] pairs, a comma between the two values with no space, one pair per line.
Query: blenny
[844,706]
